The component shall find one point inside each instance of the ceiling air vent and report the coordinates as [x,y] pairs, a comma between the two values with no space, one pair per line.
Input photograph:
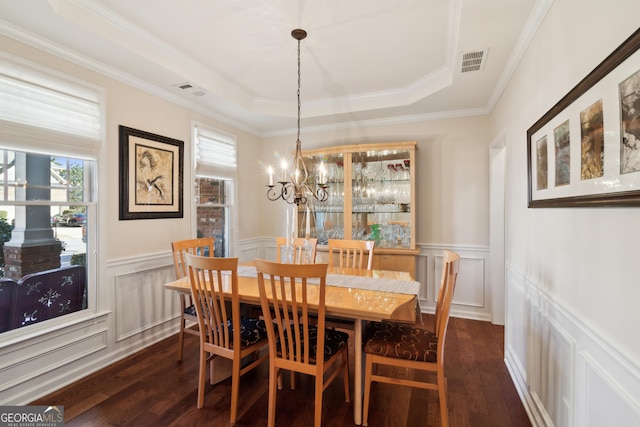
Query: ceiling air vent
[473,61]
[194,90]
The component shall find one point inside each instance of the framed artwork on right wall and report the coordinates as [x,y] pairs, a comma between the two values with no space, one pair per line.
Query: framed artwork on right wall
[585,151]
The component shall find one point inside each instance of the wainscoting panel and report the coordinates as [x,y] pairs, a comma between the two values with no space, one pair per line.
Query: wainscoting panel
[605,403]
[52,355]
[471,297]
[566,374]
[34,366]
[250,250]
[270,251]
[515,332]
[142,302]
[552,367]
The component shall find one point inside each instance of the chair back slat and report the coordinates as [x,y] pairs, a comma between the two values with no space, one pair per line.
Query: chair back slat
[286,295]
[210,279]
[351,253]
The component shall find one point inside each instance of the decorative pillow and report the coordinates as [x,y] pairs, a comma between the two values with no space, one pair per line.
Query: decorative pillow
[400,341]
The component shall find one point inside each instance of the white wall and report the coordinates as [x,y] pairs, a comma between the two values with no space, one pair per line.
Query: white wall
[572,342]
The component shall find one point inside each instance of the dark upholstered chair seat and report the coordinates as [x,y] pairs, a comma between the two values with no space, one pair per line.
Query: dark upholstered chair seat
[333,341]
[191,310]
[251,330]
[400,341]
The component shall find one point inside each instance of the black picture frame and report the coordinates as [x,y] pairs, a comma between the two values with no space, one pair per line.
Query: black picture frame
[151,175]
[610,184]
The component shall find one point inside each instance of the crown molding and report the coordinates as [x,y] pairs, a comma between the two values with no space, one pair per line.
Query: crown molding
[533,23]
[37,42]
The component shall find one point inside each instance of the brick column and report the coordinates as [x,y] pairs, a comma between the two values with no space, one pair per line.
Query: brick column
[22,260]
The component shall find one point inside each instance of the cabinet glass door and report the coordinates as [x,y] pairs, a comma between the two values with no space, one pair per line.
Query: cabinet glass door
[326,218]
[381,197]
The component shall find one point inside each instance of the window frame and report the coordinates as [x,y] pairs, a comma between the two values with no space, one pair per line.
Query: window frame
[38,139]
[229,177]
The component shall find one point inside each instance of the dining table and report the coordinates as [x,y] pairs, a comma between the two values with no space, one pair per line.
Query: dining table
[353,294]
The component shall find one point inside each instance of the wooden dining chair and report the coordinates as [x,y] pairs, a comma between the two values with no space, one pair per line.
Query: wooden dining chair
[402,345]
[289,293]
[224,332]
[351,253]
[300,255]
[199,246]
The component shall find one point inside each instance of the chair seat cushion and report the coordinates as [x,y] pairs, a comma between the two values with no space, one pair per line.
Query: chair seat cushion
[333,341]
[191,310]
[400,341]
[251,330]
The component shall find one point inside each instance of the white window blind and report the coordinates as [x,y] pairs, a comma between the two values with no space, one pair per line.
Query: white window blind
[44,111]
[215,154]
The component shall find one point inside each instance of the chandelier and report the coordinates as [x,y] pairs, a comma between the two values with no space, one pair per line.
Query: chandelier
[297,190]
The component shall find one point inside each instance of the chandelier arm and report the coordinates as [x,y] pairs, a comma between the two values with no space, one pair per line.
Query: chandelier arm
[272,194]
[287,191]
[321,194]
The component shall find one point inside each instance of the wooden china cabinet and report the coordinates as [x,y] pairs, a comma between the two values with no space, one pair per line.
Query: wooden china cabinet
[371,191]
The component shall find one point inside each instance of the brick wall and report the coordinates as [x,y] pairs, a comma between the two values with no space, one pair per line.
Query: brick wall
[22,260]
[211,216]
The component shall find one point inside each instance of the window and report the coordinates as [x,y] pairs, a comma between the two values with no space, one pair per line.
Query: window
[215,180]
[50,134]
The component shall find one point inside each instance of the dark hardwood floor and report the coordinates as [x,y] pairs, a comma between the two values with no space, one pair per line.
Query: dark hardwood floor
[151,388]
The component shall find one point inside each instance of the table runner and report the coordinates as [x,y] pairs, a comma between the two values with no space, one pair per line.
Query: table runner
[358,282]
[374,283]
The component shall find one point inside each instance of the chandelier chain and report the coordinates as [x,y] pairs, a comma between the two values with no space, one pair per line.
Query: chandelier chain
[299,84]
